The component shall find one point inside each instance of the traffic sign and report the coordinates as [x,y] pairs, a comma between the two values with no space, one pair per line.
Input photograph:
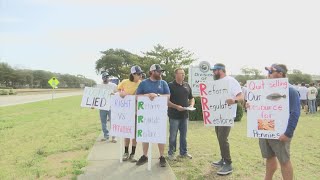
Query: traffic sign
[53,82]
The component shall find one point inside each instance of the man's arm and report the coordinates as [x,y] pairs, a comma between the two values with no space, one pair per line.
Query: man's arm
[191,102]
[294,108]
[175,106]
[238,98]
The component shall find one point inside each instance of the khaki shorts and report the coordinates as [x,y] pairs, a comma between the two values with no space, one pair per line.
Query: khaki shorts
[274,147]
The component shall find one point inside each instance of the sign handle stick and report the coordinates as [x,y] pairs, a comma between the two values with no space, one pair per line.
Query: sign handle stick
[121,148]
[52,93]
[149,156]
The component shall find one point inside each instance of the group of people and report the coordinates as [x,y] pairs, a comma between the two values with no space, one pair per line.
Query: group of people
[308,97]
[179,95]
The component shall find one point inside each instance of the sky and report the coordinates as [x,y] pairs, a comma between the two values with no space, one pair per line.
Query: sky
[66,36]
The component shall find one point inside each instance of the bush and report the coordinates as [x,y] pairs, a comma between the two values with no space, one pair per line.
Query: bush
[12,92]
[4,92]
[239,113]
[7,91]
[196,115]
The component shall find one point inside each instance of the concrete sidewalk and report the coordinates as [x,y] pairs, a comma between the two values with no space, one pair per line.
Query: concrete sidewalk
[104,163]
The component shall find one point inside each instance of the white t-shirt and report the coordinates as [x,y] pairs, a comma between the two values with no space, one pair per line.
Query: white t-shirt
[303,91]
[235,89]
[312,93]
[110,85]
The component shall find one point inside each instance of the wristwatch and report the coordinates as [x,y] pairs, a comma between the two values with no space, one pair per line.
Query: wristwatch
[158,95]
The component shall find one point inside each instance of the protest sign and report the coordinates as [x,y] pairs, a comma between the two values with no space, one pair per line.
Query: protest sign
[123,111]
[216,112]
[152,119]
[97,97]
[268,110]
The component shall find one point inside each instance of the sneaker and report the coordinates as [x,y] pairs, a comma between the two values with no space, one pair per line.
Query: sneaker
[226,169]
[218,163]
[103,139]
[125,156]
[143,159]
[163,162]
[172,157]
[186,156]
[131,158]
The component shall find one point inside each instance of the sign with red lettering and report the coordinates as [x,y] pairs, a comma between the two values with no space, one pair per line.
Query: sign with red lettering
[98,98]
[216,112]
[268,110]
[123,113]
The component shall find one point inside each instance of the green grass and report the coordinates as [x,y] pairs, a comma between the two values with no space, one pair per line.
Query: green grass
[51,139]
[245,152]
[47,139]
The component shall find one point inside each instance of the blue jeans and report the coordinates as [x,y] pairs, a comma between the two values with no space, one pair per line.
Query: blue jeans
[312,106]
[103,117]
[182,126]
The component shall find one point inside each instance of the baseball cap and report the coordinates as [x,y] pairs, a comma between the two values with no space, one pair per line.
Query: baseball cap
[136,69]
[217,66]
[275,67]
[156,67]
[105,75]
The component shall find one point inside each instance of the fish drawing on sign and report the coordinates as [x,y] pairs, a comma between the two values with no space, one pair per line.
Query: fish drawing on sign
[275,96]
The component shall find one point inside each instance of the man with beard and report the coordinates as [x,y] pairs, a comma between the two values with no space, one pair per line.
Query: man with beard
[153,87]
[222,132]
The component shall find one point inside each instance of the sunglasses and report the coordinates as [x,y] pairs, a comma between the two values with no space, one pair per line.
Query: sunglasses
[272,71]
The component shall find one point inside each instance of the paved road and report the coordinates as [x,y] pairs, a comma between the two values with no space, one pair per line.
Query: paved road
[11,100]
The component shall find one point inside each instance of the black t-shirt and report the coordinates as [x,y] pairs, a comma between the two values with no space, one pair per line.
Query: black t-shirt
[180,95]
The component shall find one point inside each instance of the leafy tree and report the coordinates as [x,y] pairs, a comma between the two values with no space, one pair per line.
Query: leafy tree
[249,74]
[6,74]
[117,62]
[298,77]
[170,59]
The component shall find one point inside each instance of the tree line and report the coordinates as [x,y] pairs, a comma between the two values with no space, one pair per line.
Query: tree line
[26,78]
[117,62]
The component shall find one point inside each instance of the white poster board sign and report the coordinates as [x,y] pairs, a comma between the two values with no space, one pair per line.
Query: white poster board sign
[98,98]
[269,108]
[123,112]
[199,74]
[216,112]
[152,119]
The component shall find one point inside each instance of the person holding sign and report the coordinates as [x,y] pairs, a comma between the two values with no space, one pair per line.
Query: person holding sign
[280,148]
[105,114]
[153,87]
[180,98]
[222,132]
[129,87]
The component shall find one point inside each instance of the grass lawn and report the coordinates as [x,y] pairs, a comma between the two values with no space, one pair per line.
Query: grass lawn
[47,139]
[51,140]
[245,152]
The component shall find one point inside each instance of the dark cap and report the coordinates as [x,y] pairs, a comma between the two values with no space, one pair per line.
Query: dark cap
[276,67]
[156,67]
